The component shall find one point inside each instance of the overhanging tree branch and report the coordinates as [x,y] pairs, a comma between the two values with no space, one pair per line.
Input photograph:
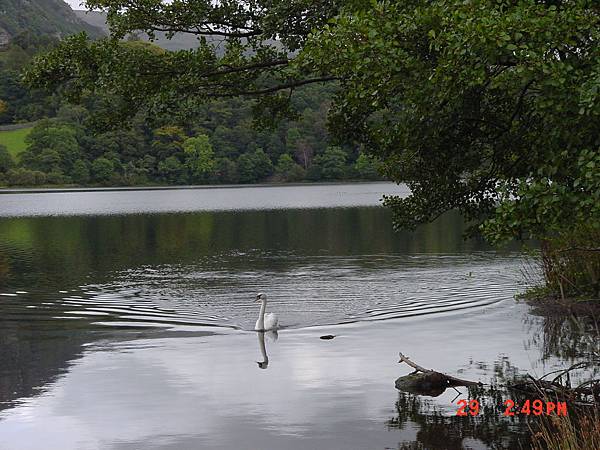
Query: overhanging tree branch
[277,88]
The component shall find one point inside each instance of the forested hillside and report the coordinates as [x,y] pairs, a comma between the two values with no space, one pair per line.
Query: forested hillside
[28,28]
[41,17]
[89,143]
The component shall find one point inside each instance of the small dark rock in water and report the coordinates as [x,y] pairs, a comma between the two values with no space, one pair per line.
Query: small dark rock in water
[327,336]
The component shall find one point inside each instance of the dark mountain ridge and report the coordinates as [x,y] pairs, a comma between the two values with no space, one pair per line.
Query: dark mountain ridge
[180,41]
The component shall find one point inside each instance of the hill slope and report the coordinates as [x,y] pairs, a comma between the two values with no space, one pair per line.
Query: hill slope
[40,17]
[180,41]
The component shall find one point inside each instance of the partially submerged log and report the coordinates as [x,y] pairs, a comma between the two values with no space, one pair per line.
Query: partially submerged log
[559,388]
[428,382]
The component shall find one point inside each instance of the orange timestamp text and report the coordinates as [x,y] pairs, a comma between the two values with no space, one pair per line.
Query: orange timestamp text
[536,407]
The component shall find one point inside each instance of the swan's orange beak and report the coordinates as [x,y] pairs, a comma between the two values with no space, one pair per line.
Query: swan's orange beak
[257,299]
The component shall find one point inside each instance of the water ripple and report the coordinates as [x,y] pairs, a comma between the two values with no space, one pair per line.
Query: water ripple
[303,291]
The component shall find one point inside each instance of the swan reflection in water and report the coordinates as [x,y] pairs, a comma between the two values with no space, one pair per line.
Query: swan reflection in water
[273,336]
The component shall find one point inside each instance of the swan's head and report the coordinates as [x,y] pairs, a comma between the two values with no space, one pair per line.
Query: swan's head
[260,297]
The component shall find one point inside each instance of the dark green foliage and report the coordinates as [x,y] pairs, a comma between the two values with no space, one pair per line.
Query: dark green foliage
[184,154]
[56,176]
[25,177]
[332,163]
[171,170]
[368,167]
[22,47]
[288,170]
[490,107]
[80,173]
[246,172]
[22,103]
[263,167]
[227,171]
[314,172]
[168,141]
[102,169]
[297,173]
[199,159]
[253,167]
[53,147]
[6,161]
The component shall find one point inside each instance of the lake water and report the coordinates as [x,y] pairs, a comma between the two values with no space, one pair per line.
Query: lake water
[126,322]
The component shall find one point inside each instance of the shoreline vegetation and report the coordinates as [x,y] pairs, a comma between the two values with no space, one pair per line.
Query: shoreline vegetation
[62,151]
[569,291]
[77,188]
[569,265]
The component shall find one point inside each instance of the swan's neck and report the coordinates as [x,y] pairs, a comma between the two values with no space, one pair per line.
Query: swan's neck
[261,316]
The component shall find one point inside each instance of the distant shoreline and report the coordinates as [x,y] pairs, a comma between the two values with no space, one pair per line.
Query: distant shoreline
[38,190]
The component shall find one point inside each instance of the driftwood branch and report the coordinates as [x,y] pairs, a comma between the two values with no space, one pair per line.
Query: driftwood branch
[428,382]
[453,381]
[415,366]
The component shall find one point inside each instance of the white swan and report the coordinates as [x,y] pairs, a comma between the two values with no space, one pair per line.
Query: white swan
[265,321]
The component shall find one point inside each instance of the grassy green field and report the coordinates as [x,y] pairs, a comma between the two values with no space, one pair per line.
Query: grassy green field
[14,140]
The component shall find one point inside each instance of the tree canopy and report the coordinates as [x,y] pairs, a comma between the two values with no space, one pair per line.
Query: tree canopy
[490,107]
[245,47]
[486,106]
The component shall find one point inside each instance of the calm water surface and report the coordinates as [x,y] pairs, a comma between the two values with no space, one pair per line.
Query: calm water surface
[126,322]
[260,197]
